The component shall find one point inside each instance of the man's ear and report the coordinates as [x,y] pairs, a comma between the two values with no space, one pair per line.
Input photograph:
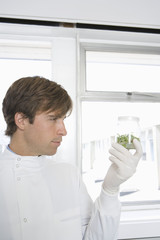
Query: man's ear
[20,120]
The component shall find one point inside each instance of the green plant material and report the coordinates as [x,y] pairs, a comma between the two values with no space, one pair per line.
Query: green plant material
[125,141]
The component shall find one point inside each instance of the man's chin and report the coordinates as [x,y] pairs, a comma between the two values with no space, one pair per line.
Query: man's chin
[51,153]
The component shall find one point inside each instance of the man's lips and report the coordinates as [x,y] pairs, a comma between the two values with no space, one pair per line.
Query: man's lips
[57,142]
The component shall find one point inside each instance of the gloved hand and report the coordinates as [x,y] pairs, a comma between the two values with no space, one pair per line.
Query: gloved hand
[123,166]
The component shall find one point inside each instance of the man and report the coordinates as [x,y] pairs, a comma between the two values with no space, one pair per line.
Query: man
[39,197]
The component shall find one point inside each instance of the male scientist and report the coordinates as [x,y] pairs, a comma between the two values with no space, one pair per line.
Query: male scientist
[41,198]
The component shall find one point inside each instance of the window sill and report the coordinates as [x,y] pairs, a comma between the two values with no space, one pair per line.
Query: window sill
[140,221]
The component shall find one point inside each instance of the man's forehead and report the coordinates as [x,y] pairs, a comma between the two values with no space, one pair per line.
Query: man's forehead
[48,113]
[56,113]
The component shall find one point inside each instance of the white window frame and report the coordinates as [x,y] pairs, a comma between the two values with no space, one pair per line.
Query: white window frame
[137,221]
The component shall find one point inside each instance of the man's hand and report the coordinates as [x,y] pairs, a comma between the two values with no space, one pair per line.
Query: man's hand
[123,166]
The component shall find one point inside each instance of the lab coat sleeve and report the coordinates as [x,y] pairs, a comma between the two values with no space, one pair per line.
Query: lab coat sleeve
[100,220]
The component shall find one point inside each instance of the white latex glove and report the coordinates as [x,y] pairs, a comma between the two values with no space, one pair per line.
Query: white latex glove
[123,166]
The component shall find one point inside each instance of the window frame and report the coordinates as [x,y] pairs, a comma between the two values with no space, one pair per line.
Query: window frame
[114,96]
[131,220]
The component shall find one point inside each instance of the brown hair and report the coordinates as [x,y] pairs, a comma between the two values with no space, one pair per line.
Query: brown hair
[30,95]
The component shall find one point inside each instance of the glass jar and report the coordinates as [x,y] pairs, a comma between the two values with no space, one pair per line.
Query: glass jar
[128,128]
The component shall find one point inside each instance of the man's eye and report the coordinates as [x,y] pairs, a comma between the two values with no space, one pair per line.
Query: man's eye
[53,119]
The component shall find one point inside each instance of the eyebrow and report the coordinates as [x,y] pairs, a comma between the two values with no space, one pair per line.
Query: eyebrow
[56,115]
[52,115]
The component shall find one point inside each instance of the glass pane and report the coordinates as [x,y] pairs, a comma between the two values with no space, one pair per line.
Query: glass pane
[99,127]
[122,72]
[13,69]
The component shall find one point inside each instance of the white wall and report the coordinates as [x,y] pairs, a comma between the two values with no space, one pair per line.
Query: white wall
[144,13]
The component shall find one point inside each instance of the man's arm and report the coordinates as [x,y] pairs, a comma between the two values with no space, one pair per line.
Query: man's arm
[103,216]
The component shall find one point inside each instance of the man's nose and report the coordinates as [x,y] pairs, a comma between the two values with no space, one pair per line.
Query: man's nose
[62,129]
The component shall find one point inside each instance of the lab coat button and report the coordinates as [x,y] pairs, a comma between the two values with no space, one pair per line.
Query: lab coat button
[18,159]
[25,220]
[18,178]
[17,165]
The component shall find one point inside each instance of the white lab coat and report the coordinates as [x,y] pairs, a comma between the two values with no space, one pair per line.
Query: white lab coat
[41,199]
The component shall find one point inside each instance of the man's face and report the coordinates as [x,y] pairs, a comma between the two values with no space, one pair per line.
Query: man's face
[44,136]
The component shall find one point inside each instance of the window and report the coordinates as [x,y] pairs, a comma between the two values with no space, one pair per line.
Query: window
[122,72]
[120,83]
[119,74]
[21,59]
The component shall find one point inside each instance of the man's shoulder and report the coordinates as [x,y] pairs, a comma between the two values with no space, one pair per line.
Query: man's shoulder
[4,153]
[65,165]
[66,168]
